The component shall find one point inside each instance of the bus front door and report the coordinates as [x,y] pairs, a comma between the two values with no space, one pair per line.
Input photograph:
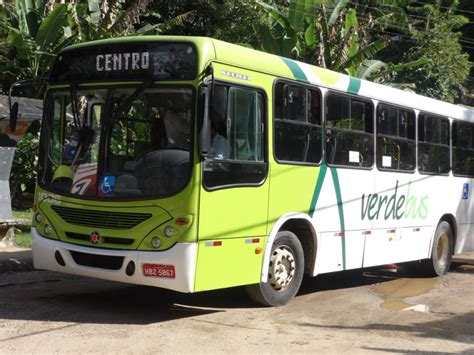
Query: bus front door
[234,194]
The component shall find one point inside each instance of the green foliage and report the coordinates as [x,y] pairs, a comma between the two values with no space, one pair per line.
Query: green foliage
[23,239]
[436,40]
[94,19]
[32,32]
[23,175]
[30,36]
[323,33]
[227,20]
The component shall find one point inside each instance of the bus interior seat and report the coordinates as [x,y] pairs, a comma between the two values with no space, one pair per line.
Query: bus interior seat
[116,163]
[130,166]
[126,181]
[140,148]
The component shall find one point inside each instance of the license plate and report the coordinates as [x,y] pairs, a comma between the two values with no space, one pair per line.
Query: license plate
[157,270]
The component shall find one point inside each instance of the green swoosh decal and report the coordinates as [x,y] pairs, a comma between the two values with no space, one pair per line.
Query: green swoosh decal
[340,209]
[337,188]
[354,85]
[317,189]
[295,69]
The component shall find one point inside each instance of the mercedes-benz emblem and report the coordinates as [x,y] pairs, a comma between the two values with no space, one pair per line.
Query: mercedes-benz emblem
[94,237]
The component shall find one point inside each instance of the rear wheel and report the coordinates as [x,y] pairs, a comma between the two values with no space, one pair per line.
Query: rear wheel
[285,272]
[441,252]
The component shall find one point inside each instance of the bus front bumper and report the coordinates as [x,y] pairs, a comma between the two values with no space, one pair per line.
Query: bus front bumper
[181,258]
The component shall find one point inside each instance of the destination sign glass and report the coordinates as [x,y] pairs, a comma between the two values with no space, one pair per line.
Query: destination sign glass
[124,62]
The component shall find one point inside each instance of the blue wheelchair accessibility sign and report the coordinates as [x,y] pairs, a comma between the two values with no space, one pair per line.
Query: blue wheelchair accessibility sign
[465,191]
[107,185]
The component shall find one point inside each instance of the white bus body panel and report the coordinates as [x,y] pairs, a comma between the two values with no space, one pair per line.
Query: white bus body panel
[401,232]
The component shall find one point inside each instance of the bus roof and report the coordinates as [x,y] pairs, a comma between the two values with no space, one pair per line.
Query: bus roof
[239,56]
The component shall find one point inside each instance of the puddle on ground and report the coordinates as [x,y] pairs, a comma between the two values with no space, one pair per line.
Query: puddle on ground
[394,291]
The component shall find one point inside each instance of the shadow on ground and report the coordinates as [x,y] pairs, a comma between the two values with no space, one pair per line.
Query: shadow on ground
[457,328]
[14,261]
[82,300]
[64,298]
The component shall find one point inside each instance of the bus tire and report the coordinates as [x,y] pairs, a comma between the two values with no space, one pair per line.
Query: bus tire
[285,272]
[441,251]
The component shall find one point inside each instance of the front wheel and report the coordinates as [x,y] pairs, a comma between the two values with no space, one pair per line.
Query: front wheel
[285,272]
[441,252]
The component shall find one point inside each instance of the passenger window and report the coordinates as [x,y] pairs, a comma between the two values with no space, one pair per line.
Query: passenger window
[297,124]
[433,144]
[463,148]
[236,156]
[244,125]
[349,131]
[396,148]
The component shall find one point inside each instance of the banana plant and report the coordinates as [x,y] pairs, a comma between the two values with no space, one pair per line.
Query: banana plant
[327,33]
[32,32]
[97,19]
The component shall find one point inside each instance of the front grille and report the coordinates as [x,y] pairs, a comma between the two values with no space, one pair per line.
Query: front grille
[78,236]
[110,240]
[99,261]
[100,219]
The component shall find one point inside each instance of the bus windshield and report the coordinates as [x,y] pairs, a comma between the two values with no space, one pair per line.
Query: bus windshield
[132,142]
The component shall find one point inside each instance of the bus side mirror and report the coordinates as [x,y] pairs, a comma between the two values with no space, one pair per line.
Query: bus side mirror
[13,117]
[14,107]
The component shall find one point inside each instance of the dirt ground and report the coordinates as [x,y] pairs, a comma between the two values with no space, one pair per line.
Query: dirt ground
[45,312]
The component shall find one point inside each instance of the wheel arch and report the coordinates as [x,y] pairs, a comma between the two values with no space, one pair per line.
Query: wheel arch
[301,225]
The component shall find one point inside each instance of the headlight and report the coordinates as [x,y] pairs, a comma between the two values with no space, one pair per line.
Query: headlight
[39,217]
[169,231]
[156,242]
[48,229]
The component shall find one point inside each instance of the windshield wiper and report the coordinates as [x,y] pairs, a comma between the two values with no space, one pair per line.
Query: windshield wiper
[125,105]
[75,114]
[85,134]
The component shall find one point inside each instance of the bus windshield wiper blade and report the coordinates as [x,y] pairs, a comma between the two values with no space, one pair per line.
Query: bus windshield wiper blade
[75,114]
[129,100]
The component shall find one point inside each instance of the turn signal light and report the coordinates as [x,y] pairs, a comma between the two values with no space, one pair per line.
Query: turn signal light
[181,221]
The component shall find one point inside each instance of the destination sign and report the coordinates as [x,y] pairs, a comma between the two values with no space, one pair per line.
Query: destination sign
[123,62]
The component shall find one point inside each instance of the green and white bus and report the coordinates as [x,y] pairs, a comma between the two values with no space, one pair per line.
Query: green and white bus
[193,164]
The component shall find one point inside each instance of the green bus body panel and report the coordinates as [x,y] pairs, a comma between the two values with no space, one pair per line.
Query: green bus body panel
[235,212]
[163,211]
[63,229]
[233,263]
[250,58]
[298,197]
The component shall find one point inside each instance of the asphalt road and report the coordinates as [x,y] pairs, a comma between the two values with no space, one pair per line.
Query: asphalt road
[46,312]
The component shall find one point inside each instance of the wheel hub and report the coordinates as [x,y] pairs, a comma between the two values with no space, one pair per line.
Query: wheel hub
[282,268]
